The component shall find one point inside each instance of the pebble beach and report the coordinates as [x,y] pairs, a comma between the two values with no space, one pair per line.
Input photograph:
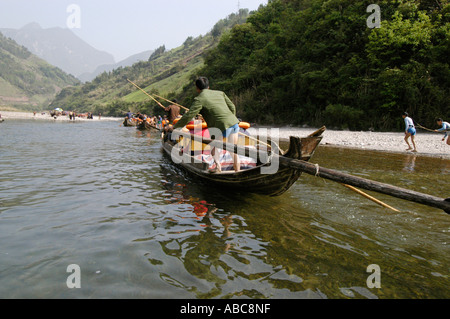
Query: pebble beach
[428,144]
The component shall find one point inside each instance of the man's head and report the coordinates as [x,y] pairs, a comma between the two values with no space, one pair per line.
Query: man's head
[202,83]
[439,121]
[405,114]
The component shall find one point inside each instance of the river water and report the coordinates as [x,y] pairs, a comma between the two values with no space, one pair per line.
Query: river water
[104,197]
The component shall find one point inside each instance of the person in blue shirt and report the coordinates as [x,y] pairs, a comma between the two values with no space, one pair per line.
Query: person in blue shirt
[410,131]
[129,115]
[445,126]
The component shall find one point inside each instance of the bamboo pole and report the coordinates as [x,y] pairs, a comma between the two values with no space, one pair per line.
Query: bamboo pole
[379,202]
[316,170]
[424,128]
[147,94]
[158,97]
[183,107]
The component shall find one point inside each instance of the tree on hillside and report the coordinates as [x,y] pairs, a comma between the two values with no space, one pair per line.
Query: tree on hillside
[157,53]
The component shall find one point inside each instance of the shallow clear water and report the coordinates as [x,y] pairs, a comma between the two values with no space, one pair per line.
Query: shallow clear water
[105,198]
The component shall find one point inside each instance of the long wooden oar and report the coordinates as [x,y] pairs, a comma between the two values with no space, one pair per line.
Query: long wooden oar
[147,94]
[367,184]
[334,175]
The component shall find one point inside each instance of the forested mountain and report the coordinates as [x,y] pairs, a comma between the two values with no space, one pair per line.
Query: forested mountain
[304,62]
[165,73]
[317,62]
[26,81]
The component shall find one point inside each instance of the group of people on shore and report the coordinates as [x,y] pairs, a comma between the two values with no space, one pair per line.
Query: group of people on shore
[71,114]
[410,131]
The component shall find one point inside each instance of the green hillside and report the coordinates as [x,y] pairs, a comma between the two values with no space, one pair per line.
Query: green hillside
[300,62]
[26,81]
[317,62]
[165,74]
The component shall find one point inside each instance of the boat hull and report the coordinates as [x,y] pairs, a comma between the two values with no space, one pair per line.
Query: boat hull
[128,122]
[253,180]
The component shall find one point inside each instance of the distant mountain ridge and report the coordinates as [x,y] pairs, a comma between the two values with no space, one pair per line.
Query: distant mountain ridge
[143,56]
[60,47]
[27,81]
[166,73]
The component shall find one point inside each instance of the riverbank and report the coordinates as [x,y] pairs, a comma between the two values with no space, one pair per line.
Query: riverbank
[428,144]
[45,115]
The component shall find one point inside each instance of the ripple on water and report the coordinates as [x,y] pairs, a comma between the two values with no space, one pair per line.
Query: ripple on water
[104,197]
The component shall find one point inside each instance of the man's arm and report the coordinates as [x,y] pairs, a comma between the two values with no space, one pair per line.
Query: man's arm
[230,104]
[193,111]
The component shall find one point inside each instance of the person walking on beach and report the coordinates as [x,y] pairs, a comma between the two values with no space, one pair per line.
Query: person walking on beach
[445,126]
[410,131]
[219,112]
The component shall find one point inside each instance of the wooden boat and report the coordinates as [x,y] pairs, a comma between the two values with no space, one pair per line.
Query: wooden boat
[149,126]
[141,125]
[252,180]
[145,125]
[129,122]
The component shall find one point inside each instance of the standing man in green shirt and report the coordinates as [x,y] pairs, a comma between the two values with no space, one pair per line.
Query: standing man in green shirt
[219,112]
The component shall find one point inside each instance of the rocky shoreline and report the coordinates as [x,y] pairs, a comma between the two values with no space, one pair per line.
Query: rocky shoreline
[428,144]
[45,115]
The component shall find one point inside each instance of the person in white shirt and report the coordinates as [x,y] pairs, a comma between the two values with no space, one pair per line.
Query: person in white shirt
[410,131]
[445,127]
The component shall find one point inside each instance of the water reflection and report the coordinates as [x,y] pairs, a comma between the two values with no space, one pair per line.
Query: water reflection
[250,245]
[253,248]
[410,163]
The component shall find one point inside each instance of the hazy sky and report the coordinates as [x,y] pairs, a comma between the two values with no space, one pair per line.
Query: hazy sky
[124,27]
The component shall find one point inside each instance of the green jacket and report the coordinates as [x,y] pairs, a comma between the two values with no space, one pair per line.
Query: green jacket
[216,108]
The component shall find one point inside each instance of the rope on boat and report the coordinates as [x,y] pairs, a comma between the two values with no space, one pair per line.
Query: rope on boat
[317,169]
